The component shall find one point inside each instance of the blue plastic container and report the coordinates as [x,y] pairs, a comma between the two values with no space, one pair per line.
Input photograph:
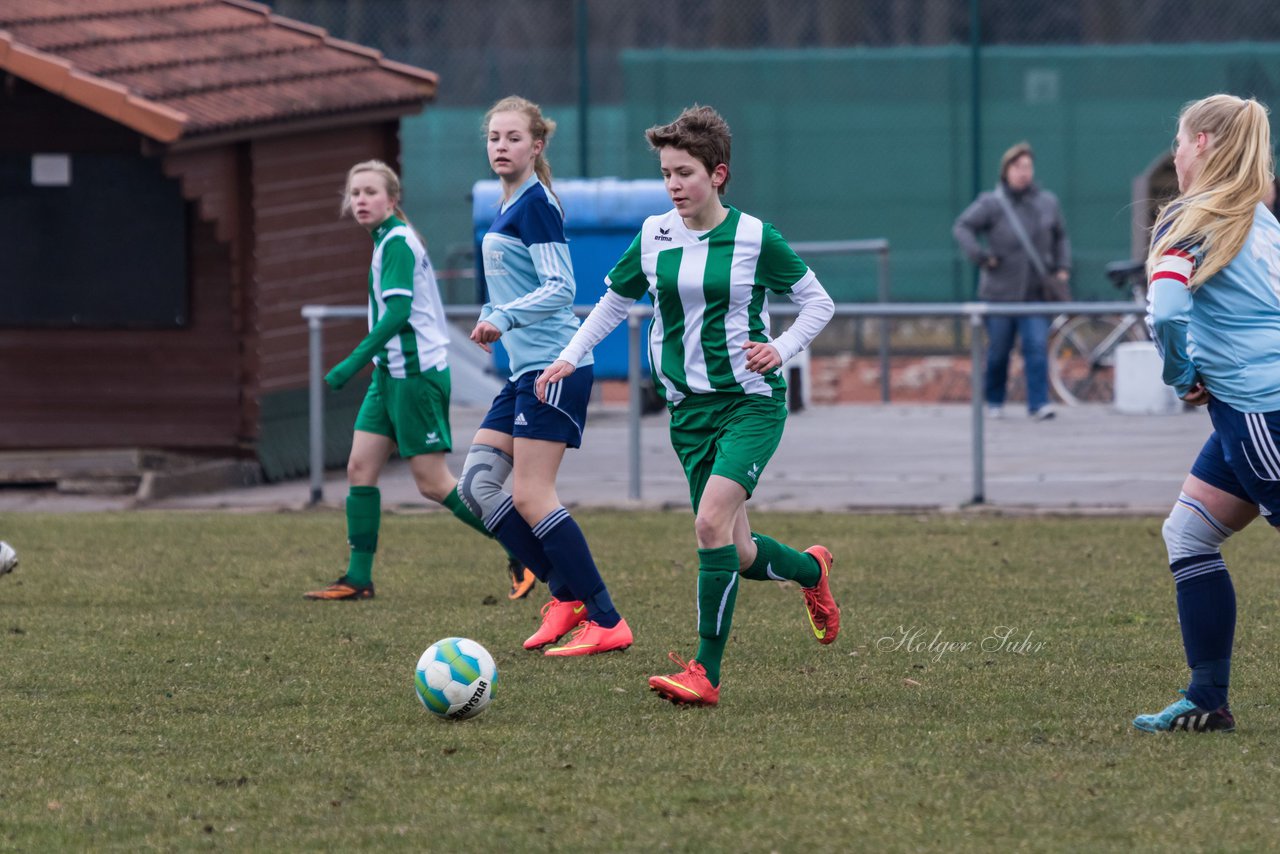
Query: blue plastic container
[601,218]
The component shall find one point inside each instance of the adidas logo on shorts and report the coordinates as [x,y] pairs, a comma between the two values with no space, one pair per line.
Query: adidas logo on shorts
[520,422]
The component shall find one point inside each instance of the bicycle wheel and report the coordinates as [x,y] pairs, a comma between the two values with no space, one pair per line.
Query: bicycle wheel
[1082,357]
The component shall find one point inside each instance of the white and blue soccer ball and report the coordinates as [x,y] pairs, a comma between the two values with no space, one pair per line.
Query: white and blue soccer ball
[8,558]
[455,678]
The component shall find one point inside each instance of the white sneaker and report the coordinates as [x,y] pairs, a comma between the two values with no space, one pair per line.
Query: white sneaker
[996,412]
[1044,413]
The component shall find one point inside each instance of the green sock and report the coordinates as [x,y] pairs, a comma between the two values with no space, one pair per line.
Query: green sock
[454,504]
[782,563]
[717,591]
[364,515]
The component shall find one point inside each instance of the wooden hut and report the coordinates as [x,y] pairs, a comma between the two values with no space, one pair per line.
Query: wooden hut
[171,175]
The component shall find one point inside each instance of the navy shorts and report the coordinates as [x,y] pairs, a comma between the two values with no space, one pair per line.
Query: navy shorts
[517,411]
[1242,457]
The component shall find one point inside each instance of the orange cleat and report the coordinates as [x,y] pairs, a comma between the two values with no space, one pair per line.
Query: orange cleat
[342,590]
[557,619]
[824,613]
[690,687]
[592,638]
[522,580]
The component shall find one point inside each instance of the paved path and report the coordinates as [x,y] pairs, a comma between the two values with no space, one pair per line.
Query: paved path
[1089,459]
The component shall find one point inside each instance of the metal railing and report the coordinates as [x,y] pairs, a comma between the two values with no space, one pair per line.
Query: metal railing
[316,315]
[879,247]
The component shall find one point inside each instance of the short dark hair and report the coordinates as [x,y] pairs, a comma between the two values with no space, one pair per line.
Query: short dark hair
[702,132]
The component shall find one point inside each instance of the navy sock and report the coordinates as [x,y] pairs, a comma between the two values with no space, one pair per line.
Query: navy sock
[1207,612]
[564,544]
[514,532]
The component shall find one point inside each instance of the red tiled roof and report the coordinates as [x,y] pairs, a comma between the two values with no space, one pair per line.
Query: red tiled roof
[174,69]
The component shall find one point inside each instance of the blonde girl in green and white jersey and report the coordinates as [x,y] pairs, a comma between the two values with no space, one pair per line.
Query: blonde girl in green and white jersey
[708,268]
[407,404]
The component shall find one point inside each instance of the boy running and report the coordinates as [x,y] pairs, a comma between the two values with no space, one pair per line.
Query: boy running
[708,268]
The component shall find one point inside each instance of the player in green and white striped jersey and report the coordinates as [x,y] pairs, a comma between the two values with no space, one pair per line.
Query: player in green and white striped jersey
[407,404]
[708,268]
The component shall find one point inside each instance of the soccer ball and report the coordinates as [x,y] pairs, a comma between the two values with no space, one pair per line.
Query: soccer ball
[455,678]
[8,558]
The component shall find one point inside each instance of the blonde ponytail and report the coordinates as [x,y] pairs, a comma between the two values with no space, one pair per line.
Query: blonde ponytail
[1216,211]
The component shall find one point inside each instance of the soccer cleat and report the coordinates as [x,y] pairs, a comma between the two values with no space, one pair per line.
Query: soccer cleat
[824,613]
[592,638]
[342,590]
[1186,716]
[688,687]
[557,619]
[522,579]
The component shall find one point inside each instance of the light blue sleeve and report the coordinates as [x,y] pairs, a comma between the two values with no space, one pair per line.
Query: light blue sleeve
[555,289]
[1168,313]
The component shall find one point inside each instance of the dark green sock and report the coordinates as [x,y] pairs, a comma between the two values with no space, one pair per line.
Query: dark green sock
[364,515]
[454,504]
[717,591]
[782,563]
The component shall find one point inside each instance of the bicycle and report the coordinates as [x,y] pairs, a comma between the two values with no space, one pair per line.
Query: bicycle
[1082,349]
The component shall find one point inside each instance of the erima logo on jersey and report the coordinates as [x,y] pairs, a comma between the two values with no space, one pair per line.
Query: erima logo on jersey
[520,422]
[432,438]
[754,471]
[663,234]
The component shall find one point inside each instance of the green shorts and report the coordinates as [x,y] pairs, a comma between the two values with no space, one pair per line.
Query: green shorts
[412,412]
[731,435]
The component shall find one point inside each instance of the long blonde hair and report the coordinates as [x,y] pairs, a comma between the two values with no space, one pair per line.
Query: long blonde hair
[1216,211]
[392,181]
[540,127]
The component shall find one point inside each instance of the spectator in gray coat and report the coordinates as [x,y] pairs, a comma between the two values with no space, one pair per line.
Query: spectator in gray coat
[1008,274]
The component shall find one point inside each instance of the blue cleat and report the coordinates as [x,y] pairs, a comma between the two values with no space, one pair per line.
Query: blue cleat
[1186,716]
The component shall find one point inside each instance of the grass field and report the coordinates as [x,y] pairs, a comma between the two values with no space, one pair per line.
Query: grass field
[165,686]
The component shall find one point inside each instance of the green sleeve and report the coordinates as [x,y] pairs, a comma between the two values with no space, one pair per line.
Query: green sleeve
[391,322]
[779,267]
[397,268]
[627,278]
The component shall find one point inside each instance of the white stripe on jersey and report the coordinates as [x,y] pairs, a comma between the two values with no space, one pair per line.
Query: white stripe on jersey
[426,313]
[657,329]
[693,267]
[746,254]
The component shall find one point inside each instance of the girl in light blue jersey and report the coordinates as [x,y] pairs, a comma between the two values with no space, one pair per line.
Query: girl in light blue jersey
[1214,311]
[407,404]
[530,284]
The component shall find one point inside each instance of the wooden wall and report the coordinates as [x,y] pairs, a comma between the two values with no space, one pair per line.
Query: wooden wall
[77,388]
[303,251]
[265,238]
[117,388]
